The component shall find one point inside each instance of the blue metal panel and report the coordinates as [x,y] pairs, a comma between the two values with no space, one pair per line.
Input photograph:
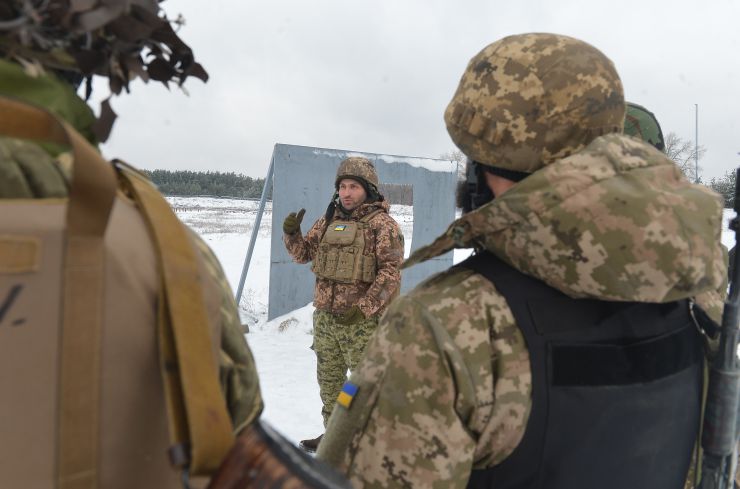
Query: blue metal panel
[304,178]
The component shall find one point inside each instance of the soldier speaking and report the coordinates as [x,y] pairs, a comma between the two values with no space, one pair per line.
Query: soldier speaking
[356,251]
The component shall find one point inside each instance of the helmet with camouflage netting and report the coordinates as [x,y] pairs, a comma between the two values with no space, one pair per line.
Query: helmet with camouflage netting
[641,123]
[528,100]
[360,169]
[117,39]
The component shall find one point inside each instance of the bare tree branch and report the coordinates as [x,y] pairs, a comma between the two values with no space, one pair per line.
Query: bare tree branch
[457,156]
[683,152]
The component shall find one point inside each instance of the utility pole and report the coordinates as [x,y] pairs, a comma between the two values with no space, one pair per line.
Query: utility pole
[696,142]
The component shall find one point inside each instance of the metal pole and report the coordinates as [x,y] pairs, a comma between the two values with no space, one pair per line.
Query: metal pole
[255,231]
[696,141]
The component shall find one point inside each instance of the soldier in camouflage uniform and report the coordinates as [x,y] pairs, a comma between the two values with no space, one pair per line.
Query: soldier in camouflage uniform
[356,251]
[563,353]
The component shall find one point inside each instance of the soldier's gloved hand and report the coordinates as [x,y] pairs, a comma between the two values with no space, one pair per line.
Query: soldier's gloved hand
[354,315]
[292,223]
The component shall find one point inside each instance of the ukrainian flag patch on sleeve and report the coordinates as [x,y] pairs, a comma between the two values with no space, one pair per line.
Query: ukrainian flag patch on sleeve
[349,390]
[340,227]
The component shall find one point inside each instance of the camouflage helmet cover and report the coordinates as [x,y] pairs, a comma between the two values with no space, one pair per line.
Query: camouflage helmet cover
[357,168]
[641,123]
[528,100]
[119,39]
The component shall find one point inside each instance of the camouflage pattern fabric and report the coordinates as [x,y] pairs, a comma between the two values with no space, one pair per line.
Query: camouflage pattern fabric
[444,387]
[617,221]
[338,348]
[445,383]
[519,107]
[383,239]
[641,123]
[357,167]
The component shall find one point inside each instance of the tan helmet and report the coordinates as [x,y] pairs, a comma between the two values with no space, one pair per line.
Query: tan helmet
[528,100]
[357,168]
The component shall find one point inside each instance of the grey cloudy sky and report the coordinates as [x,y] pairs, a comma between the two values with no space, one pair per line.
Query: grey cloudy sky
[377,76]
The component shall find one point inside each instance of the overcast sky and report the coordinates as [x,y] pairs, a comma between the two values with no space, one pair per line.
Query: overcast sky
[377,76]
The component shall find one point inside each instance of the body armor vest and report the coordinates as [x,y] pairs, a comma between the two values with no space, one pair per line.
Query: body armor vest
[616,389]
[341,255]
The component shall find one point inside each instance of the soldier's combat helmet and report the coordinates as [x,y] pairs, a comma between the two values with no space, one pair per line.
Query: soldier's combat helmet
[360,169]
[528,100]
[641,123]
[118,39]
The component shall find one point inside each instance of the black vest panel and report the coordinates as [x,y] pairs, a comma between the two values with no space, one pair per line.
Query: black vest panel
[616,389]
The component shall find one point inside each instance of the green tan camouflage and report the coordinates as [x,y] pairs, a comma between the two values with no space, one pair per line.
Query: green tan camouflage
[338,348]
[641,123]
[445,384]
[617,221]
[383,240]
[518,108]
[357,167]
[440,392]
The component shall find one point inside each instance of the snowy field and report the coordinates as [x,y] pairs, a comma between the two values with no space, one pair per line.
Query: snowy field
[286,364]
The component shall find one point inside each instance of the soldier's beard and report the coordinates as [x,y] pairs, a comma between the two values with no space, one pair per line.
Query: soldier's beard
[351,205]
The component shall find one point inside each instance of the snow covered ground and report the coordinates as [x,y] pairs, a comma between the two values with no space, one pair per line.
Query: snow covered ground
[285,362]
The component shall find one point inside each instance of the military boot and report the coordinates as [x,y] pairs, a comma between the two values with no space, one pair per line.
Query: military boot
[311,445]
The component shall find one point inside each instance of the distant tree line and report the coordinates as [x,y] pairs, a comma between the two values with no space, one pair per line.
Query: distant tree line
[211,183]
[230,184]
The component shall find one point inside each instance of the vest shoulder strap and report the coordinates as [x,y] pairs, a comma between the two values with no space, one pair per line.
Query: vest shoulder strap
[197,410]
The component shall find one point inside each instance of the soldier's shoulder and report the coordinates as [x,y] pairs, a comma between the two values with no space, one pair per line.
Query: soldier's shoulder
[623,152]
[453,283]
[28,171]
[446,297]
[383,219]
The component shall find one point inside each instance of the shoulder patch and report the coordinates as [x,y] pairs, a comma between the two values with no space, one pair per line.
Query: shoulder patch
[349,390]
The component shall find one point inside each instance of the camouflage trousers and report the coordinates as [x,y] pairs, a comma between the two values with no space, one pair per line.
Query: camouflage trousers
[338,348]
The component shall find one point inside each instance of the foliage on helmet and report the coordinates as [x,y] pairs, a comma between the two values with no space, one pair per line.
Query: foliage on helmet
[641,123]
[528,100]
[118,39]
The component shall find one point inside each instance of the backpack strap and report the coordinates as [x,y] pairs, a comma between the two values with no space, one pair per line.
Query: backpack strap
[200,426]
[91,196]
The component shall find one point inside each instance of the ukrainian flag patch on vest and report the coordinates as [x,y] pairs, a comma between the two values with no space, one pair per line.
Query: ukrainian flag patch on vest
[340,227]
[347,395]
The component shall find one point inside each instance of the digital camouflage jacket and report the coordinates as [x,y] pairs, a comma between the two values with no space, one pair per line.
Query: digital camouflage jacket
[445,385]
[383,239]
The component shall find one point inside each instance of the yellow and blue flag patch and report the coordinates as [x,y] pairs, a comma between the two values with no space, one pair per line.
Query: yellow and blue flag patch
[349,390]
[340,227]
